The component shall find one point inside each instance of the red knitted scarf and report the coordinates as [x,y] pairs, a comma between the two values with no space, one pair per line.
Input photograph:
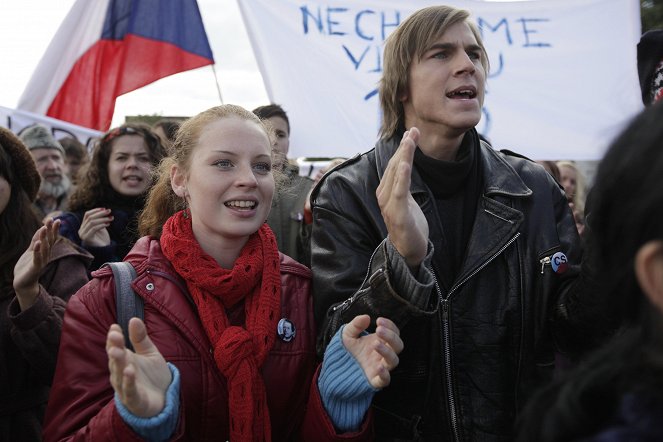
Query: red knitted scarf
[239,352]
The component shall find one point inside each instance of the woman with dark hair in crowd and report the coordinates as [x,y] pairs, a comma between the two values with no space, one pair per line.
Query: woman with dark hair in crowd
[39,271]
[103,210]
[617,393]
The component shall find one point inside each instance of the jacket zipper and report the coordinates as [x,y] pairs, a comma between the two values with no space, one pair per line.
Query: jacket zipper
[368,277]
[546,259]
[446,338]
[446,348]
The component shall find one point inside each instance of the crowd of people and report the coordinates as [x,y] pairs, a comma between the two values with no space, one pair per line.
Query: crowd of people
[434,288]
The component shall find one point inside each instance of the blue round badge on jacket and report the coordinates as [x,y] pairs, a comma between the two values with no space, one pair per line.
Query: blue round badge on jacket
[559,263]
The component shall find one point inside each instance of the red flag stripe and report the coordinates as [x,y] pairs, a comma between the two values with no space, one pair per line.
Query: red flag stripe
[112,68]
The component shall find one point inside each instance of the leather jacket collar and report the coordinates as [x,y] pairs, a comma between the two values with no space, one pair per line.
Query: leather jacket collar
[499,177]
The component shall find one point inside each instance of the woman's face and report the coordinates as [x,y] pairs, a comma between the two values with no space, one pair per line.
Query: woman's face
[229,186]
[129,165]
[5,193]
[569,178]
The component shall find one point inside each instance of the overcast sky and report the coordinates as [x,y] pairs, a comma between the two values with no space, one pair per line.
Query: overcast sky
[27,26]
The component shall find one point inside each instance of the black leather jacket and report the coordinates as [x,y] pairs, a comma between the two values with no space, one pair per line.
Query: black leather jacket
[472,354]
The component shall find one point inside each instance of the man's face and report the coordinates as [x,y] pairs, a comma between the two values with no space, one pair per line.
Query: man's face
[282,134]
[287,329]
[165,142]
[74,164]
[50,164]
[446,87]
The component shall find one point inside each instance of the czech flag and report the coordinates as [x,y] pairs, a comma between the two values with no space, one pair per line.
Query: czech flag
[106,48]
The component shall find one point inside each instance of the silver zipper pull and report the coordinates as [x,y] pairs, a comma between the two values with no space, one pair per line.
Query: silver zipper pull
[544,261]
[342,305]
[374,276]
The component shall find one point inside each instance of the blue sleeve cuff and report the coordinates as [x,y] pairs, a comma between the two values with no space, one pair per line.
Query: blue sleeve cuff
[162,426]
[344,389]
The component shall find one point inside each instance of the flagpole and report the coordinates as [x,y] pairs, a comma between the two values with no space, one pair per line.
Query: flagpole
[216,80]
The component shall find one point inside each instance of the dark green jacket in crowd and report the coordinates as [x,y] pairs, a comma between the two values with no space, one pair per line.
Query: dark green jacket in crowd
[286,218]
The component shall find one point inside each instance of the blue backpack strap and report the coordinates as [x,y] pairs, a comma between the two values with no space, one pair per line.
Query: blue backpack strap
[128,303]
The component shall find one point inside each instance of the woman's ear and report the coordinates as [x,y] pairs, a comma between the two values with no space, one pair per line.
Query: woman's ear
[178,181]
[403,96]
[649,271]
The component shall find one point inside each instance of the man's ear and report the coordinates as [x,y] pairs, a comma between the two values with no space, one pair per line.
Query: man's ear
[649,271]
[178,181]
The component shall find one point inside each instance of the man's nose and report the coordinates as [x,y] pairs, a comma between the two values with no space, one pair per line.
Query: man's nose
[53,164]
[464,63]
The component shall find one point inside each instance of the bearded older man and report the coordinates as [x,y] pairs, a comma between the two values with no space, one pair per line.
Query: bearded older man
[48,154]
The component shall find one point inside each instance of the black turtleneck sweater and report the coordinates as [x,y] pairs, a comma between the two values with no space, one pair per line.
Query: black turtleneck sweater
[124,227]
[455,186]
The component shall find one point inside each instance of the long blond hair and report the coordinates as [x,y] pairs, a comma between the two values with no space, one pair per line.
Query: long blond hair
[578,198]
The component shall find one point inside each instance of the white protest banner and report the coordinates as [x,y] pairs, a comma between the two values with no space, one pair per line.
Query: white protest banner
[563,72]
[15,120]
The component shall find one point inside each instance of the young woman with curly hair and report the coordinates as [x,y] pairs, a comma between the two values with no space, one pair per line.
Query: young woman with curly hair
[104,208]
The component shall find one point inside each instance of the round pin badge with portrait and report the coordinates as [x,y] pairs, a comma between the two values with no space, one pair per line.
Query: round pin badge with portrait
[286,330]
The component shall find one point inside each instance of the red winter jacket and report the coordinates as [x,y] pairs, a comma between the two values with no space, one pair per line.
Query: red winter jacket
[81,405]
